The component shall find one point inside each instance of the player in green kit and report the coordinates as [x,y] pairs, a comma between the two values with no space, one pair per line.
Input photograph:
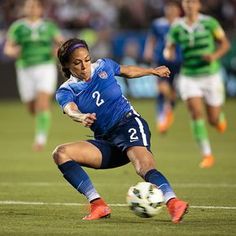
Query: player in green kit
[203,43]
[31,41]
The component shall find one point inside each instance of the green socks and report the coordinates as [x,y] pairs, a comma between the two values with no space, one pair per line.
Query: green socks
[201,136]
[43,122]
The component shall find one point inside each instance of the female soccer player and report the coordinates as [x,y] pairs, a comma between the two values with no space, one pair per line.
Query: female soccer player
[92,97]
[200,83]
[31,42]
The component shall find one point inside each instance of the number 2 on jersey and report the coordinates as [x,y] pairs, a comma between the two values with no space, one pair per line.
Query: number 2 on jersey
[99,101]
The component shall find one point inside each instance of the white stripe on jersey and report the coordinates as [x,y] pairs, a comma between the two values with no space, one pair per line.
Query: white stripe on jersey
[132,108]
[141,129]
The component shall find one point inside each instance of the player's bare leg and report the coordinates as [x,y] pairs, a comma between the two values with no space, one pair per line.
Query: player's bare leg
[69,158]
[216,118]
[195,107]
[31,107]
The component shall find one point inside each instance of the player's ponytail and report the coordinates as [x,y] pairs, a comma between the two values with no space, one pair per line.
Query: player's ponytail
[66,72]
[64,52]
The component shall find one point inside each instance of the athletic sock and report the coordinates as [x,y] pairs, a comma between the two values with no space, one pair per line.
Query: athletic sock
[43,122]
[79,179]
[155,177]
[160,106]
[201,136]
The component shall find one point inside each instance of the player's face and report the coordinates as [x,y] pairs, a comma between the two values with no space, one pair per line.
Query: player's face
[191,6]
[80,64]
[33,8]
[172,10]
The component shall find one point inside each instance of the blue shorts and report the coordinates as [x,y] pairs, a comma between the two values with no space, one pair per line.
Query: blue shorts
[174,71]
[131,131]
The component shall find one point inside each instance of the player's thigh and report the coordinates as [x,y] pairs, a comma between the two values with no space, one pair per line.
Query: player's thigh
[43,101]
[26,84]
[164,87]
[195,107]
[46,78]
[82,152]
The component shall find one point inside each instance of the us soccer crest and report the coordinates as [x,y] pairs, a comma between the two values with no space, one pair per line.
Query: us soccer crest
[103,75]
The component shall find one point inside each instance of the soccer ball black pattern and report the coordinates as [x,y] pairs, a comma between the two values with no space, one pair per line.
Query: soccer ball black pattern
[145,199]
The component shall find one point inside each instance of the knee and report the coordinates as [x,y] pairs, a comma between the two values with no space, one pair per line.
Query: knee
[59,154]
[196,115]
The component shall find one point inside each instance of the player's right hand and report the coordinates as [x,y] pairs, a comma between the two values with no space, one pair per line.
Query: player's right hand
[88,119]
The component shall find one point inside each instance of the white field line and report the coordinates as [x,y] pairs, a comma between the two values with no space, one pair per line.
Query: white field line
[178,185]
[111,204]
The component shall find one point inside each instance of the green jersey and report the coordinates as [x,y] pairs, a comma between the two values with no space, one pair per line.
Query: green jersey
[36,41]
[195,41]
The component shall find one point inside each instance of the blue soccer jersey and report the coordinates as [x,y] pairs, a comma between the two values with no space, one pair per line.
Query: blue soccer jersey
[101,95]
[159,30]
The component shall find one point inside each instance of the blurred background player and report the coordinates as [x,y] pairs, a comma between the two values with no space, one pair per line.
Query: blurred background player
[200,82]
[153,52]
[31,42]
[92,97]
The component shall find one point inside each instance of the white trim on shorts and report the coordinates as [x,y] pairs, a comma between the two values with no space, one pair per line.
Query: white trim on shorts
[141,129]
[209,87]
[35,79]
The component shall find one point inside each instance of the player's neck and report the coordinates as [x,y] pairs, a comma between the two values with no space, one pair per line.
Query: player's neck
[192,18]
[33,20]
[171,19]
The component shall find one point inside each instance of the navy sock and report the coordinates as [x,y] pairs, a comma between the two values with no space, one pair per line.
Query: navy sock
[155,177]
[79,179]
[160,103]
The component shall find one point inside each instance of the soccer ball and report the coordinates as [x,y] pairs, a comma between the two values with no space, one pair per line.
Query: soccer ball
[145,199]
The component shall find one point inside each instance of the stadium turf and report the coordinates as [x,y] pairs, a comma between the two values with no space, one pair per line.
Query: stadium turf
[35,199]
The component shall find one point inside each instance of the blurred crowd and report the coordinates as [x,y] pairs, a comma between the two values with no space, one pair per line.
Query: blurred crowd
[108,24]
[121,14]
[101,19]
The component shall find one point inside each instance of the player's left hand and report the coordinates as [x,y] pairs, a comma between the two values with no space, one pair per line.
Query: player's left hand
[209,57]
[162,71]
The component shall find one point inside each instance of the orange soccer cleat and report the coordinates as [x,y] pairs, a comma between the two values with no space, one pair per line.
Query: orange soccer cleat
[163,126]
[222,126]
[98,209]
[177,209]
[207,162]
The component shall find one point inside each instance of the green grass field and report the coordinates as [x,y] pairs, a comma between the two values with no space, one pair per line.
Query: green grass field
[35,199]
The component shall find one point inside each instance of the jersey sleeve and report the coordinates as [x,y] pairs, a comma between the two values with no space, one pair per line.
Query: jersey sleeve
[114,66]
[172,35]
[216,28]
[12,32]
[153,29]
[64,96]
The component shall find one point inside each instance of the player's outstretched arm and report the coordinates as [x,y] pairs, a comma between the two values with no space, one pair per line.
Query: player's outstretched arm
[73,112]
[11,49]
[136,71]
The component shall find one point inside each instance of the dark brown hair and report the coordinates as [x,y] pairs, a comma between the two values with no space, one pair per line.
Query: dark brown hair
[173,3]
[65,51]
